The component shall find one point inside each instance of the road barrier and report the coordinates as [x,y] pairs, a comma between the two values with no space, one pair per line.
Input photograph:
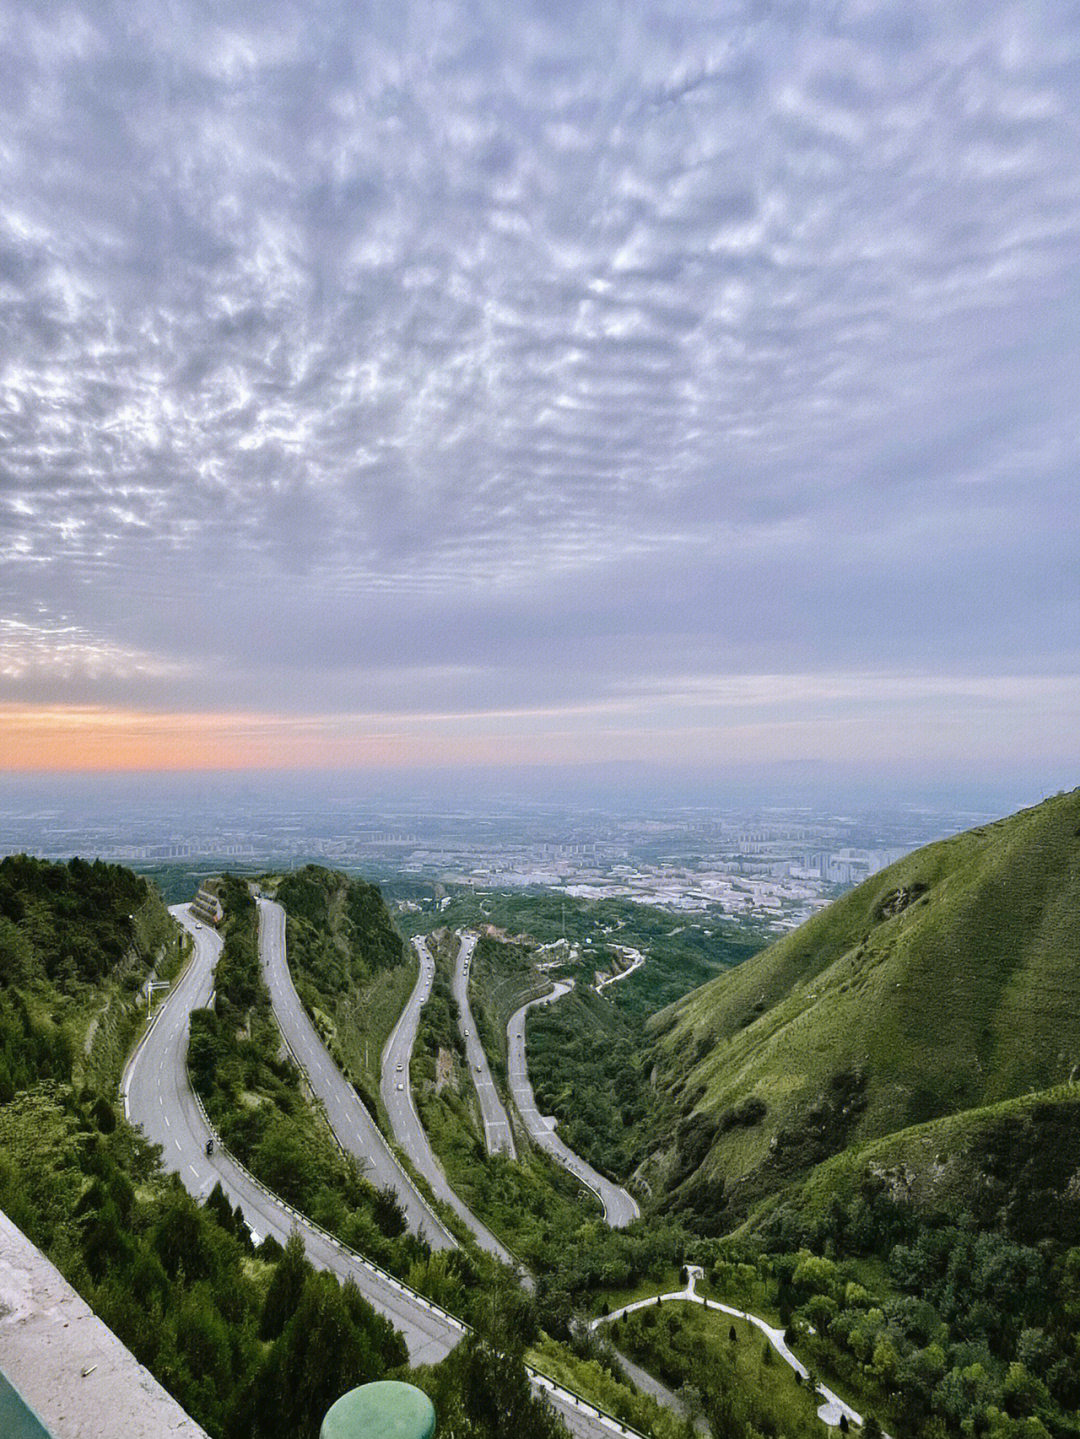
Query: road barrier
[411,1183]
[537,1377]
[543,1382]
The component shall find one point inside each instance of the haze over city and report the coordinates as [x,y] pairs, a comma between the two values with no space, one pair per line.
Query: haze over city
[657,386]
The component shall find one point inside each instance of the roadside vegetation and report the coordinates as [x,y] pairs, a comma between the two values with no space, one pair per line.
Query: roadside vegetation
[256,1099]
[587,1067]
[248,1342]
[533,1205]
[350,968]
[724,1370]
[868,1134]
[589,1365]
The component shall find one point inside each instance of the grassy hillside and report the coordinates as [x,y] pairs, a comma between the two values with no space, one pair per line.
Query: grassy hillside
[1011,1167]
[948,982]
[349,965]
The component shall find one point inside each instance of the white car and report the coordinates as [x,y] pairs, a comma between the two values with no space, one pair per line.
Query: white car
[400,1068]
[401,1086]
[479,1069]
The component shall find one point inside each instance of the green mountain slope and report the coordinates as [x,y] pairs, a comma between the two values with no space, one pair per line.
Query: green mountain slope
[1012,1167]
[948,982]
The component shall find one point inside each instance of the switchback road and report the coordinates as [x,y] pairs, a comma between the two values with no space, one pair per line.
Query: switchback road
[620,1208]
[401,1109]
[158,1098]
[498,1137]
[353,1126]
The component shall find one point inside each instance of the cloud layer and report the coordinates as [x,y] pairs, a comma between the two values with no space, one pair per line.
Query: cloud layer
[458,358]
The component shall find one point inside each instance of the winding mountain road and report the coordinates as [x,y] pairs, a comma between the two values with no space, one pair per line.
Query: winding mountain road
[498,1136]
[637,959]
[158,1098]
[353,1126]
[620,1208]
[397,1094]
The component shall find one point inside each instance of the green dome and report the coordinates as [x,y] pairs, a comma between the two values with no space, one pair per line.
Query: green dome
[386,1410]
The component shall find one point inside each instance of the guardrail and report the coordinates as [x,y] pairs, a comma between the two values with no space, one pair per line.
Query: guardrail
[536,1375]
[359,1259]
[408,1180]
[544,1382]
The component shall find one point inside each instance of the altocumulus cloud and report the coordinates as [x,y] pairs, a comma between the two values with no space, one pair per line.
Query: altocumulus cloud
[467,357]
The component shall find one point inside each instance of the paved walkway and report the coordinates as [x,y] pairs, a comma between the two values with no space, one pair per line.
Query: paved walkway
[832,1406]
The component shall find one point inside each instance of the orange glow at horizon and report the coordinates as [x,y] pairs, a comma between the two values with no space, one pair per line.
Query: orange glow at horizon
[73,738]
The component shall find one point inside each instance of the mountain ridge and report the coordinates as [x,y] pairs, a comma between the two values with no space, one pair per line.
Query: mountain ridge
[945,983]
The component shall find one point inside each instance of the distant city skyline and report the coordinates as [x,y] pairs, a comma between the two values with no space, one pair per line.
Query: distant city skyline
[667,386]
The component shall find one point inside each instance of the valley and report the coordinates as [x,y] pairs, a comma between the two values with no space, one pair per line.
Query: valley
[508,1142]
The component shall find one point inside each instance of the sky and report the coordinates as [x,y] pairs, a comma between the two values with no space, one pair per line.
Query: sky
[461,385]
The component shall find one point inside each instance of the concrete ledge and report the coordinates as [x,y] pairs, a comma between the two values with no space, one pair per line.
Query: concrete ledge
[72,1371]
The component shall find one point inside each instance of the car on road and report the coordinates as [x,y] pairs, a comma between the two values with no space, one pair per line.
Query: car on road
[400,1068]
[479,1069]
[401,1086]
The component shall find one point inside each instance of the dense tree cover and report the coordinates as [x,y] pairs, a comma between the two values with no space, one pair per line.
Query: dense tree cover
[440,1018]
[32,1045]
[179,1284]
[254,1096]
[946,1326]
[349,934]
[69,923]
[587,1066]
[482,1390]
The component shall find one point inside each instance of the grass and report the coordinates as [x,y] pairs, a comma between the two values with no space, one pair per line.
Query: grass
[686,1344]
[502,977]
[667,1283]
[594,1381]
[533,1205]
[947,982]
[1018,1155]
[357,1026]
